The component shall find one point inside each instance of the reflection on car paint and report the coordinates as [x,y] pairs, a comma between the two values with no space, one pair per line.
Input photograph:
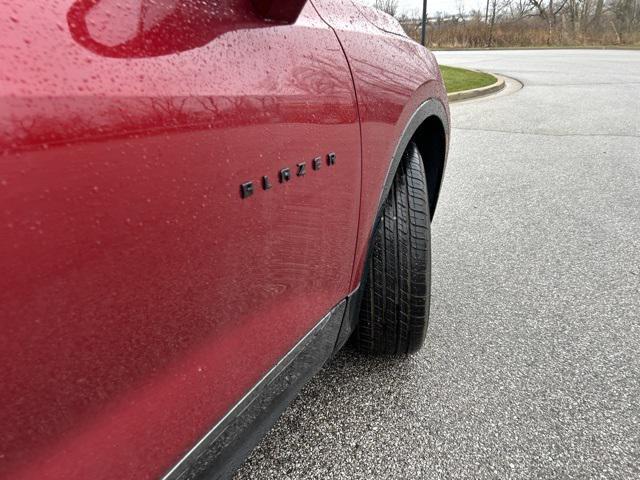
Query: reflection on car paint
[143,298]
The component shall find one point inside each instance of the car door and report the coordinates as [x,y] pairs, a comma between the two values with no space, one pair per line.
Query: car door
[180,187]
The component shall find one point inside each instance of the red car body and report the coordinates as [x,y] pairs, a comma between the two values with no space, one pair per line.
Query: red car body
[142,298]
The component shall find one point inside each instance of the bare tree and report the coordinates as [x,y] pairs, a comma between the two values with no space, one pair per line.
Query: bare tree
[518,9]
[532,23]
[548,11]
[387,6]
[597,15]
[493,9]
[626,18]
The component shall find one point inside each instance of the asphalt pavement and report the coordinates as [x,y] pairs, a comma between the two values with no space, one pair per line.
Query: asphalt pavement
[532,364]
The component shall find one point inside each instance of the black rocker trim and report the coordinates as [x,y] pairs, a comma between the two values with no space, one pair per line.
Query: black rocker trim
[230,441]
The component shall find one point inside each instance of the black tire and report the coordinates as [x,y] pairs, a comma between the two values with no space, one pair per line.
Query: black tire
[395,306]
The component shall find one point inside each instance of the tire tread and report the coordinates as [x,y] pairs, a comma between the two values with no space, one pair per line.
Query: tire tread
[395,306]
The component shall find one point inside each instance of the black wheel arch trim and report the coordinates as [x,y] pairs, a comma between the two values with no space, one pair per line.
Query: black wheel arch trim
[429,108]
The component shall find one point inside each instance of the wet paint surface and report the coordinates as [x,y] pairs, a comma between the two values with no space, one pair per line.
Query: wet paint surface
[393,75]
[141,296]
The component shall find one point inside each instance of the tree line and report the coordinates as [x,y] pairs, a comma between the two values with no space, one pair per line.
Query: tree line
[527,23]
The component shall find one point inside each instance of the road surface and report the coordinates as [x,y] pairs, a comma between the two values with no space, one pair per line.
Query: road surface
[532,364]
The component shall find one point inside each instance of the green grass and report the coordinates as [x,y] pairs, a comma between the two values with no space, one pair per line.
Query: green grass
[458,79]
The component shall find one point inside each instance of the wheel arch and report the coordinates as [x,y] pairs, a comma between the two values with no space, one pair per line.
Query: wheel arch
[428,127]
[431,140]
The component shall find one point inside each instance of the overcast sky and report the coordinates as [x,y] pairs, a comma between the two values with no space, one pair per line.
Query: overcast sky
[433,6]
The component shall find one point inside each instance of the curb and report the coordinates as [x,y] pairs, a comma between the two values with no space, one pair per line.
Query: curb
[478,92]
